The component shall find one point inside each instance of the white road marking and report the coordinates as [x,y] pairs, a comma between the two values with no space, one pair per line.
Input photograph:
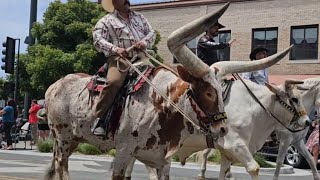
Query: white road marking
[21,166]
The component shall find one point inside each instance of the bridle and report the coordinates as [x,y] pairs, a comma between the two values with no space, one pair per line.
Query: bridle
[205,119]
[291,108]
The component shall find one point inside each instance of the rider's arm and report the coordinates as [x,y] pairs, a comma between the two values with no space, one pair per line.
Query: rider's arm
[246,75]
[205,43]
[149,32]
[101,38]
[261,76]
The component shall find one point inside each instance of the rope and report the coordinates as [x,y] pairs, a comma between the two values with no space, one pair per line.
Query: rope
[162,94]
[265,109]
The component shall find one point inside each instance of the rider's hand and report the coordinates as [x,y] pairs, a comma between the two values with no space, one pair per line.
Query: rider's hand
[231,41]
[140,45]
[122,52]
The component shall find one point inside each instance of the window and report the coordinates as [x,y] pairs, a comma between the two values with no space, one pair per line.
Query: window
[265,37]
[223,54]
[305,40]
[192,45]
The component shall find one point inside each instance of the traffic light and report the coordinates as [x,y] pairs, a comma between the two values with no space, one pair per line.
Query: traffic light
[9,55]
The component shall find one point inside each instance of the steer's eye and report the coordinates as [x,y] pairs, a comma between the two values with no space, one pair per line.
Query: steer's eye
[209,95]
[295,100]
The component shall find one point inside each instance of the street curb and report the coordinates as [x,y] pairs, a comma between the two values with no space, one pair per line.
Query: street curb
[285,170]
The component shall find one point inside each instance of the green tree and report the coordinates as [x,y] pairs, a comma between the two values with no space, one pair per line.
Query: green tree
[3,93]
[64,45]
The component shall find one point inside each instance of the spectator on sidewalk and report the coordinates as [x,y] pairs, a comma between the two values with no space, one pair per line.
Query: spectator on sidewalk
[9,115]
[33,120]
[43,126]
[313,140]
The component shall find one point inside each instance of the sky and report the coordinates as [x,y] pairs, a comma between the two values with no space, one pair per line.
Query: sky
[14,21]
[15,18]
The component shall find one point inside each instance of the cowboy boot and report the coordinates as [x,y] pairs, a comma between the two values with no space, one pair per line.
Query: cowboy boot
[101,108]
[114,81]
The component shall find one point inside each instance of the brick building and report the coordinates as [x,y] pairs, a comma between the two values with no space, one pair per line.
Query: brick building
[272,23]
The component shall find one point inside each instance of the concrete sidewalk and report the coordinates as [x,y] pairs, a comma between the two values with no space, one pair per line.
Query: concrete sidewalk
[239,172]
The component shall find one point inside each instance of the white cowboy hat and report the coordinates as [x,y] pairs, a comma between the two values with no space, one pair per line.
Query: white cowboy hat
[107,5]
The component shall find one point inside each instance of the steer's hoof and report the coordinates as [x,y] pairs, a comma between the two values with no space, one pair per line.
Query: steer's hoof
[127,178]
[201,178]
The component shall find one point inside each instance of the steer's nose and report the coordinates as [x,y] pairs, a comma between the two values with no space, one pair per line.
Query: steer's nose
[224,130]
[308,122]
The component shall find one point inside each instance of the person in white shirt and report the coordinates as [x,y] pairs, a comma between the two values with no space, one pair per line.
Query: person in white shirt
[261,76]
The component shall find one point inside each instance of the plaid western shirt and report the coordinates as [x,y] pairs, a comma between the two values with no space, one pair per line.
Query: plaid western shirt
[112,32]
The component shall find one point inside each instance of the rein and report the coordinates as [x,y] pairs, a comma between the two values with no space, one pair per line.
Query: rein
[204,131]
[284,104]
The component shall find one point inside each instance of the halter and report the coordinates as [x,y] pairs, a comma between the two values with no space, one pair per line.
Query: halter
[205,119]
[292,109]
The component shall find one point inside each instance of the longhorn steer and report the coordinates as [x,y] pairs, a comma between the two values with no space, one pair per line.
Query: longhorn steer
[311,97]
[150,128]
[250,124]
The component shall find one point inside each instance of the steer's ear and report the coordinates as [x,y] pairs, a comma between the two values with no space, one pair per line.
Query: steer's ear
[184,74]
[275,89]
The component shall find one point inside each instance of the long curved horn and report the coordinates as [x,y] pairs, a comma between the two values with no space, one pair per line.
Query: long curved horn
[292,81]
[228,67]
[288,83]
[179,38]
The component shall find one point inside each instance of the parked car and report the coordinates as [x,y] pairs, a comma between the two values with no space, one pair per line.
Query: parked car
[293,157]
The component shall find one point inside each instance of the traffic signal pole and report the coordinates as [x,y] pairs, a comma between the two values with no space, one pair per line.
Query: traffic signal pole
[33,19]
[16,88]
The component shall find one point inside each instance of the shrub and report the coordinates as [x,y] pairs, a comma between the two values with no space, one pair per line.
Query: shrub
[112,152]
[192,158]
[45,145]
[175,158]
[85,148]
[215,157]
[262,161]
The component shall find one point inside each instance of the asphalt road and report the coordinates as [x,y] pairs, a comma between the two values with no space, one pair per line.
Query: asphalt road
[31,165]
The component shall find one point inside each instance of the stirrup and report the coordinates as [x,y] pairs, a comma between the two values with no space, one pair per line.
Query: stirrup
[95,123]
[99,131]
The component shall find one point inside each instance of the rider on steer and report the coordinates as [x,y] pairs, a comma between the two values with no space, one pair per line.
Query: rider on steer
[120,29]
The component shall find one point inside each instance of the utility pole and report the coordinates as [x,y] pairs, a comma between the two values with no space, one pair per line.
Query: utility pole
[31,41]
